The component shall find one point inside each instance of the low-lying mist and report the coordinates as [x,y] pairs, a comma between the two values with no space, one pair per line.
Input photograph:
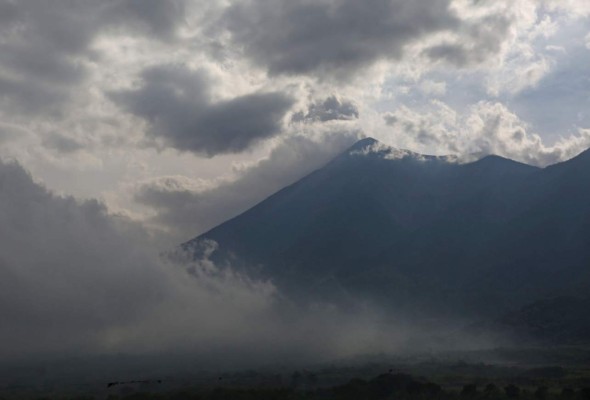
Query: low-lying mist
[78,281]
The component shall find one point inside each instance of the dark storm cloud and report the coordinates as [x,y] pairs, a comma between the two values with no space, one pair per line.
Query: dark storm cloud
[332,38]
[44,46]
[330,109]
[177,104]
[40,42]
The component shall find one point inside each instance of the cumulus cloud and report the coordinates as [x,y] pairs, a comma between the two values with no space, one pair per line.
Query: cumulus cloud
[190,208]
[486,128]
[338,38]
[508,46]
[331,38]
[177,104]
[331,109]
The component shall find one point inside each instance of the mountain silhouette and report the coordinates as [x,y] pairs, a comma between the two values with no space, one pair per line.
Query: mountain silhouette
[560,320]
[419,233]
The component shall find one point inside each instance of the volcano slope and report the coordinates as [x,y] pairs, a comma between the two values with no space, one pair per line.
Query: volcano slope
[418,233]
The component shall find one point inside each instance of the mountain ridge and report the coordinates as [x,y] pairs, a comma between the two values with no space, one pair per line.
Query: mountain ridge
[417,232]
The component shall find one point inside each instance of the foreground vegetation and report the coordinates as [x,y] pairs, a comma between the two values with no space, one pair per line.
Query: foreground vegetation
[385,386]
[524,374]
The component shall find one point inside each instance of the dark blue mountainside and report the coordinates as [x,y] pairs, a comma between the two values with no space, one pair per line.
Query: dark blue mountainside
[419,233]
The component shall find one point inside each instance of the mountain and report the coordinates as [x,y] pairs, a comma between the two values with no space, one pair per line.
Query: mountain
[560,320]
[419,233]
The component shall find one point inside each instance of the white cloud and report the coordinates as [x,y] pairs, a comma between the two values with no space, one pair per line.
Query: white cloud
[486,128]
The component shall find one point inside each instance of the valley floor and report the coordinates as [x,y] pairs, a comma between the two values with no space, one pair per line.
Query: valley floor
[542,373]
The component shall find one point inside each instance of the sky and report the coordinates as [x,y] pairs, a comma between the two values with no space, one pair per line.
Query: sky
[183,113]
[139,124]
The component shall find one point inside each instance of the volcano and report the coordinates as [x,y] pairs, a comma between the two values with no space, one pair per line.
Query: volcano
[415,232]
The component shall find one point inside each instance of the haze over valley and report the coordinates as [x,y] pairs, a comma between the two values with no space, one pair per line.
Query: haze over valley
[325,199]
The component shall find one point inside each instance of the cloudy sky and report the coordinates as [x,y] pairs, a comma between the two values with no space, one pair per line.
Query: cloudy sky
[122,118]
[182,113]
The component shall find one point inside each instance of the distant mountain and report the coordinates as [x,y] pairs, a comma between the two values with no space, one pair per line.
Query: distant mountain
[419,233]
[560,320]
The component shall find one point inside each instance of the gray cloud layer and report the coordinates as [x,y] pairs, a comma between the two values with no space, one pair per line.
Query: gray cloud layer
[332,38]
[47,45]
[176,102]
